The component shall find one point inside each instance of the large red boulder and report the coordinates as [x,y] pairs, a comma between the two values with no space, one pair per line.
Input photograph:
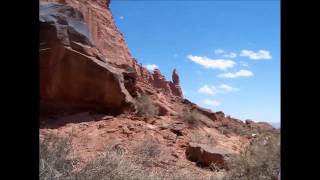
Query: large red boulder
[205,155]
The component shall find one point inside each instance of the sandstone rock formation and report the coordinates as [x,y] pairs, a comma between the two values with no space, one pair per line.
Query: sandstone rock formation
[175,84]
[86,70]
[71,78]
[169,87]
[205,155]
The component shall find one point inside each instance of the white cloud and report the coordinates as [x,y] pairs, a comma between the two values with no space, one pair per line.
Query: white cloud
[221,64]
[151,67]
[244,64]
[212,90]
[211,102]
[218,51]
[261,54]
[241,73]
[228,88]
[230,55]
[207,90]
[121,17]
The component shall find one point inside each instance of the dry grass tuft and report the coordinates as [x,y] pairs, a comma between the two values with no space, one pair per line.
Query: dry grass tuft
[145,107]
[261,160]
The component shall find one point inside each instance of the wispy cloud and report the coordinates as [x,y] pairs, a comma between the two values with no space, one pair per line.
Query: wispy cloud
[218,51]
[211,102]
[208,90]
[241,73]
[228,88]
[261,54]
[221,64]
[151,67]
[121,17]
[212,90]
[230,55]
[244,64]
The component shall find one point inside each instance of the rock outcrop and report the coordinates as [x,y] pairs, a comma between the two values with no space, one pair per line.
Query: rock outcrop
[175,84]
[205,155]
[108,40]
[213,116]
[72,77]
[170,87]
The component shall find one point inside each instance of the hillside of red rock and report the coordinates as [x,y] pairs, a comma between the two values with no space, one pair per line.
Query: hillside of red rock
[90,87]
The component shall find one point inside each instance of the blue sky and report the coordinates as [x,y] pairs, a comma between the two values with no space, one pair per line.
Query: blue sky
[227,53]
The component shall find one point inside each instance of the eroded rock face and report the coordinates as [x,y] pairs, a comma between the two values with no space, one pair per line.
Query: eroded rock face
[175,84]
[102,29]
[205,155]
[170,87]
[207,112]
[71,79]
[159,81]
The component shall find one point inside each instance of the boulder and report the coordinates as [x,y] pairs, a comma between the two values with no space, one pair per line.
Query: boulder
[248,122]
[205,155]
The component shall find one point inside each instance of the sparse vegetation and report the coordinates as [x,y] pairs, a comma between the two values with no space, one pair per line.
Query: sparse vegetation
[53,162]
[200,138]
[147,151]
[145,107]
[193,118]
[238,130]
[112,164]
[261,160]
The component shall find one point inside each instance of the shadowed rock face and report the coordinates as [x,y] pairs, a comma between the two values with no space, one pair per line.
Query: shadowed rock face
[62,23]
[71,77]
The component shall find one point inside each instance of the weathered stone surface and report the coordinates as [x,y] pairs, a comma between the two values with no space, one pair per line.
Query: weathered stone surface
[205,155]
[175,84]
[71,80]
[248,121]
[208,113]
[101,27]
[175,77]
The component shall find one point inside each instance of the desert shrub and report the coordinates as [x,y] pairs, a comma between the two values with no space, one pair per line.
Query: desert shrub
[260,160]
[145,107]
[238,130]
[147,151]
[193,118]
[53,163]
[215,167]
[200,138]
[111,164]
